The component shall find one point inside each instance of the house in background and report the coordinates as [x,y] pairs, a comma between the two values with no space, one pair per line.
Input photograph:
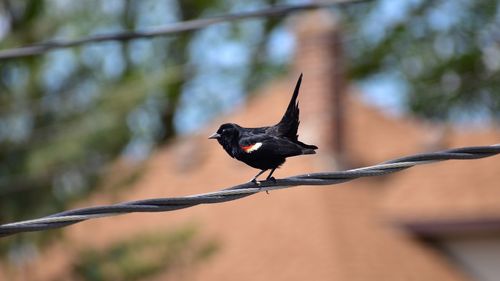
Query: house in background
[433,222]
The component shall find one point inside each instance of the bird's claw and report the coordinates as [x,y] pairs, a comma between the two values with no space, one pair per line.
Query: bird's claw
[256,182]
[271,179]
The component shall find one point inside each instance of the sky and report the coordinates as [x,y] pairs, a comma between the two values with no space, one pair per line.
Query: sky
[220,71]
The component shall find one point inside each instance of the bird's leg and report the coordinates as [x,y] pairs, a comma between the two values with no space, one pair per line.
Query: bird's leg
[270,177]
[254,180]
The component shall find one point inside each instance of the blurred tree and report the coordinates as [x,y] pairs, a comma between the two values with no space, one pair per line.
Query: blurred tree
[445,53]
[66,115]
[144,256]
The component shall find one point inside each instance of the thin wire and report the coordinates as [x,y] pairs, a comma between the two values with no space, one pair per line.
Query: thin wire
[243,190]
[175,28]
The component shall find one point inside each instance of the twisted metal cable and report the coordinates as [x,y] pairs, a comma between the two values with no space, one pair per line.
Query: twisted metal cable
[243,190]
[165,30]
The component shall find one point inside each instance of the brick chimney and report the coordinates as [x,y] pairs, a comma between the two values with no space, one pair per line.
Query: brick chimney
[319,57]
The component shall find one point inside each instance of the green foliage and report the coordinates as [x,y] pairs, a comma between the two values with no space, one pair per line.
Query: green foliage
[144,256]
[68,114]
[446,52]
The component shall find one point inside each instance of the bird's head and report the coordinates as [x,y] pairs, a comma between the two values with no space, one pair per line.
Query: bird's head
[226,131]
[226,135]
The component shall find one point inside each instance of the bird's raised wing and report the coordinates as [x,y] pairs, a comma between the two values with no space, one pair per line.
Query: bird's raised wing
[289,123]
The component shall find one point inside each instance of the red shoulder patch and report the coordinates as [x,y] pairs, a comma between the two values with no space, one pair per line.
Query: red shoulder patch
[247,147]
[251,147]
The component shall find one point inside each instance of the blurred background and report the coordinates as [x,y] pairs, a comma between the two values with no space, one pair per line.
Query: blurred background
[122,120]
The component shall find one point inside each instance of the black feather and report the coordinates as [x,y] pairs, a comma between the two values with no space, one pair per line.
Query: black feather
[266,147]
[289,123]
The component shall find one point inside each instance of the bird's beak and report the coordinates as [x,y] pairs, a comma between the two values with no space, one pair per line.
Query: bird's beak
[214,136]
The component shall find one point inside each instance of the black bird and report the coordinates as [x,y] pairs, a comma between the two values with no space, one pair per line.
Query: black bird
[265,148]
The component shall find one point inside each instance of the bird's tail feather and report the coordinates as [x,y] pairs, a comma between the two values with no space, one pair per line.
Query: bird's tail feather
[307,146]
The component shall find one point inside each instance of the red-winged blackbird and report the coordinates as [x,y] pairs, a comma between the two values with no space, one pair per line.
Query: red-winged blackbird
[265,148]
